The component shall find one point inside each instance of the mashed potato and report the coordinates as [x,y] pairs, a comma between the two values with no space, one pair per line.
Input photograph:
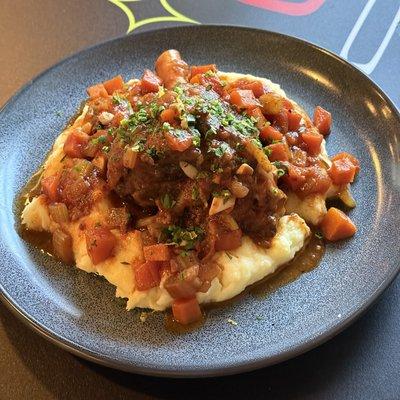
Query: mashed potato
[240,268]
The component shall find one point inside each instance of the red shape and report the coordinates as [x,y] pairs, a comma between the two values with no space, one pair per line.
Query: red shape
[306,7]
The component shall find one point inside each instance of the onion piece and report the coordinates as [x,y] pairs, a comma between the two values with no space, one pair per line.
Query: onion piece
[245,169]
[260,156]
[238,189]
[189,170]
[62,244]
[272,103]
[59,212]
[129,158]
[346,197]
[105,117]
[220,204]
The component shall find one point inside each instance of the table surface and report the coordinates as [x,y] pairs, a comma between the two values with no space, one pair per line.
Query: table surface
[363,362]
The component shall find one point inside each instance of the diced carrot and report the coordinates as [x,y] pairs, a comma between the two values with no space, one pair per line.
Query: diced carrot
[179,142]
[157,252]
[202,69]
[147,275]
[195,79]
[150,82]
[313,142]
[97,91]
[75,144]
[269,133]
[243,99]
[186,311]
[100,243]
[342,171]
[116,83]
[279,152]
[258,115]
[168,115]
[322,120]
[50,187]
[336,225]
[294,119]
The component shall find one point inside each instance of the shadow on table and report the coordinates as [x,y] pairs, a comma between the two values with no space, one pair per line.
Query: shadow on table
[318,372]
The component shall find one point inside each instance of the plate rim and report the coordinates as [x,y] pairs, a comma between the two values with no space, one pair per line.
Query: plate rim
[199,372]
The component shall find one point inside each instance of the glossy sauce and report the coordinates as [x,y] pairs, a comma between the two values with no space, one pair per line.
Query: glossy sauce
[39,240]
[306,260]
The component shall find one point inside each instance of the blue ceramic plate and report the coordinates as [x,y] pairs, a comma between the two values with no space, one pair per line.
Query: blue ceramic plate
[78,311]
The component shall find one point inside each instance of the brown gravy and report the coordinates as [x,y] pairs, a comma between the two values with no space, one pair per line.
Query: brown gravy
[305,261]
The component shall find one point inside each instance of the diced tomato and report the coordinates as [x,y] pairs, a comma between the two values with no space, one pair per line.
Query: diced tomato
[349,157]
[147,275]
[342,171]
[307,180]
[269,133]
[195,79]
[118,117]
[116,83]
[228,240]
[100,243]
[179,142]
[336,225]
[186,311]
[259,116]
[322,120]
[150,82]
[256,87]
[295,178]
[157,252]
[75,144]
[294,119]
[181,288]
[279,152]
[50,187]
[282,120]
[243,99]
[313,142]
[97,91]
[168,115]
[202,69]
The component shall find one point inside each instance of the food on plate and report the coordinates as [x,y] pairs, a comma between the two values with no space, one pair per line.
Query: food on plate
[188,185]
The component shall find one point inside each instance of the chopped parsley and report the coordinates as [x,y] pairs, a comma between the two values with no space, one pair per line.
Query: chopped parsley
[138,145]
[318,235]
[225,194]
[187,238]
[220,150]
[280,172]
[195,193]
[267,151]
[167,201]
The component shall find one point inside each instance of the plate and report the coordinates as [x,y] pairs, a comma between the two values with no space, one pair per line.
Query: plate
[78,311]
